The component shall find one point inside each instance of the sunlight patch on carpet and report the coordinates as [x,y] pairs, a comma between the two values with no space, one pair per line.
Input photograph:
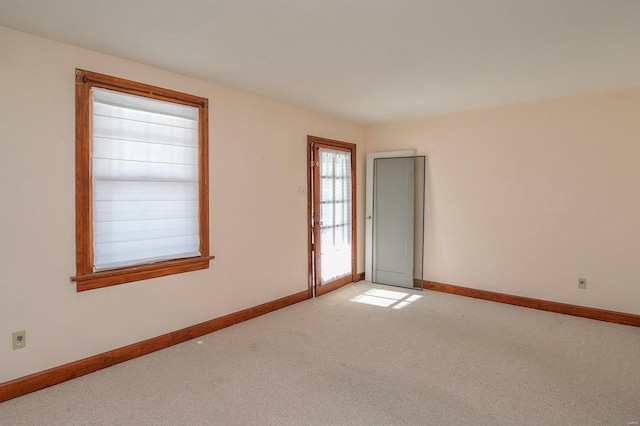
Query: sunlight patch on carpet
[385,298]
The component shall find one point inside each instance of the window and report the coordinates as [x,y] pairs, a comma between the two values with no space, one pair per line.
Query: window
[335,214]
[141,181]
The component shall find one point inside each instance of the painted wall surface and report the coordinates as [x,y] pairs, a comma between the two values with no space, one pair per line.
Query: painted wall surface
[526,199]
[258,151]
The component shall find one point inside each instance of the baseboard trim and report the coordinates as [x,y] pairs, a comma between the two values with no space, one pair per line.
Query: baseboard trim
[358,277]
[24,385]
[544,305]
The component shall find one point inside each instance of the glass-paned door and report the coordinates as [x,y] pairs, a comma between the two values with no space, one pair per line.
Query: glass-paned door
[335,215]
[332,250]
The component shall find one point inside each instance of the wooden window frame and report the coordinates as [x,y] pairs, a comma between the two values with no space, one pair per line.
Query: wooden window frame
[86,278]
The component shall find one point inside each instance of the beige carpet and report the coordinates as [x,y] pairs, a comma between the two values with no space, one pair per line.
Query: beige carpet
[439,360]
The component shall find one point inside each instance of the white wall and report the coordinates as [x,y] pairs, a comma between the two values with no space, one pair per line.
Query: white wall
[525,199]
[258,228]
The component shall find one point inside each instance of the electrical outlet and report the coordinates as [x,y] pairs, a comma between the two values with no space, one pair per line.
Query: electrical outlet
[582,283]
[19,339]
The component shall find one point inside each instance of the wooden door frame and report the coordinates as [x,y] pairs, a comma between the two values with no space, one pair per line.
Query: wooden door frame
[312,142]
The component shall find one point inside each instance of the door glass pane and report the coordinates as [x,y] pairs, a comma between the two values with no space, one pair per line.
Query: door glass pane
[335,214]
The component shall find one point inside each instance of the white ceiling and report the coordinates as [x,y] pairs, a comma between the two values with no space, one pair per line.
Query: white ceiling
[370,61]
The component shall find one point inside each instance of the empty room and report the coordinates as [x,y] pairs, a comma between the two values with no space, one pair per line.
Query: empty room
[320,213]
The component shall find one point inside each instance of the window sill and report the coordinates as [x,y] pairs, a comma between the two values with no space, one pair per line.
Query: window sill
[141,272]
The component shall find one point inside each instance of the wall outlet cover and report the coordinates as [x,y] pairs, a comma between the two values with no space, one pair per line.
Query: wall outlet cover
[19,339]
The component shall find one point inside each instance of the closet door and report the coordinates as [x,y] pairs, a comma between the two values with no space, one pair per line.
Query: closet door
[393,221]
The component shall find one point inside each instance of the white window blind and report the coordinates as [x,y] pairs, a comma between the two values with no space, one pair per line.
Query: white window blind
[145,180]
[335,214]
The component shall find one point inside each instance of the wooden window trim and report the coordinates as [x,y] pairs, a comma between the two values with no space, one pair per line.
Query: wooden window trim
[85,278]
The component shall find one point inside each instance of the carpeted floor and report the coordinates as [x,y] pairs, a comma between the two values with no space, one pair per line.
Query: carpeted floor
[438,360]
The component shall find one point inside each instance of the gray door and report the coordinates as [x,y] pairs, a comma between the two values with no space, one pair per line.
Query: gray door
[393,221]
